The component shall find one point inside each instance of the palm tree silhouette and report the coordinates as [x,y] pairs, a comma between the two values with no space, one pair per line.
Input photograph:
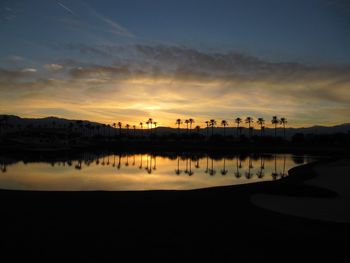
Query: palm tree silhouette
[120,128]
[212,172]
[238,121]
[212,123]
[283,174]
[207,167]
[114,125]
[249,120]
[187,122]
[155,126]
[127,126]
[150,121]
[224,123]
[274,173]
[127,160]
[141,124]
[207,123]
[140,167]
[275,121]
[190,172]
[198,129]
[260,173]
[178,122]
[283,121]
[178,171]
[238,167]
[119,161]
[155,163]
[191,122]
[261,122]
[249,174]
[197,163]
[224,171]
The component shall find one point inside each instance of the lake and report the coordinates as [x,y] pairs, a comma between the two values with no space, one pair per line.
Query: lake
[118,172]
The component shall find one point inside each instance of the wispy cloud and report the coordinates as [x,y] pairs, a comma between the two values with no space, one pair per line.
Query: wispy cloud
[66,8]
[53,67]
[118,29]
[90,19]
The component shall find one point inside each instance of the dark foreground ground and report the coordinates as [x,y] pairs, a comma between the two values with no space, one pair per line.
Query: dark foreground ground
[210,224]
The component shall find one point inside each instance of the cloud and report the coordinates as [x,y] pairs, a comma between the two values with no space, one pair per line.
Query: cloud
[118,29]
[91,20]
[53,67]
[29,70]
[66,8]
[13,75]
[168,82]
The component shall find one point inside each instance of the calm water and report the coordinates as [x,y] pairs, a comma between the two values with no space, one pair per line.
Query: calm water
[144,171]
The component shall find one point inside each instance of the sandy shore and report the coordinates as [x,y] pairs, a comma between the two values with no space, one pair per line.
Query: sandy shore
[334,176]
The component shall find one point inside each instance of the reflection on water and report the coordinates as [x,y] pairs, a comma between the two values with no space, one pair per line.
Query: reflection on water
[143,171]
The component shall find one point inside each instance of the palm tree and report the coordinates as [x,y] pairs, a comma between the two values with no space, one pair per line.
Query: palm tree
[275,121]
[178,122]
[127,126]
[141,124]
[212,123]
[224,123]
[134,127]
[198,129]
[249,120]
[238,120]
[120,128]
[283,121]
[191,122]
[155,126]
[187,122]
[261,122]
[207,123]
[150,121]
[114,125]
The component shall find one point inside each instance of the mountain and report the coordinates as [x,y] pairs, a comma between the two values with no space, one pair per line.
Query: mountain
[15,122]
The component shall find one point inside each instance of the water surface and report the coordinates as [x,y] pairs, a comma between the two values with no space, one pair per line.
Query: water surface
[144,171]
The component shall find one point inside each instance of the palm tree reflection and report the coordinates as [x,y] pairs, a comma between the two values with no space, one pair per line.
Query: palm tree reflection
[224,171]
[249,174]
[140,167]
[238,167]
[274,174]
[261,172]
[212,172]
[178,171]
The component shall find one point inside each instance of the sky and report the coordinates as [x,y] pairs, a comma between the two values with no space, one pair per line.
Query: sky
[113,60]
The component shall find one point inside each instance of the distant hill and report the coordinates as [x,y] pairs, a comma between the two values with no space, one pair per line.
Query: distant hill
[15,122]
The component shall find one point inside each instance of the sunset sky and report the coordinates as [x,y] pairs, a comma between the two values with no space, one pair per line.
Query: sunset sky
[113,60]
